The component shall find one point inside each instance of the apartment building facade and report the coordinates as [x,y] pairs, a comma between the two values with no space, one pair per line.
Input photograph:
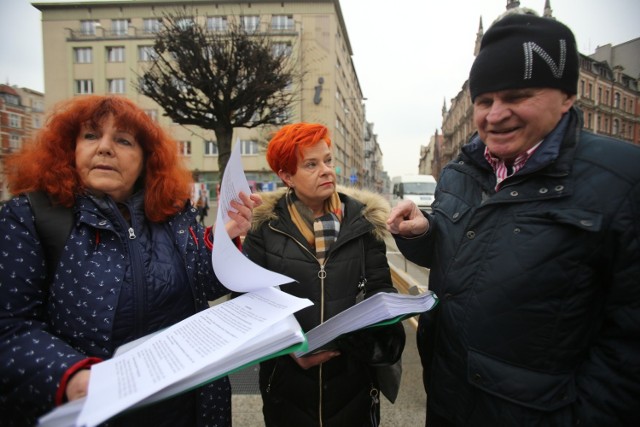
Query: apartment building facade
[21,115]
[103,47]
[607,95]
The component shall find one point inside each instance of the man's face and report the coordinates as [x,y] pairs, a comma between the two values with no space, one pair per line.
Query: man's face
[512,121]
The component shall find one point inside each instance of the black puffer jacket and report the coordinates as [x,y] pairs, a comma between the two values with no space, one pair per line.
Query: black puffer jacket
[337,393]
[539,285]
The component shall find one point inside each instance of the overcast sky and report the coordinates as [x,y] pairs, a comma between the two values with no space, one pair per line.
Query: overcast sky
[410,55]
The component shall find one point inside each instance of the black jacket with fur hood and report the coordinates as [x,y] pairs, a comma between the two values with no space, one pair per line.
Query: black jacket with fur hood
[337,393]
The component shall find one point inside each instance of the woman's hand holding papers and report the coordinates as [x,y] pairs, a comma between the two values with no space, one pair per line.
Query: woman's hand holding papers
[78,385]
[241,220]
[315,359]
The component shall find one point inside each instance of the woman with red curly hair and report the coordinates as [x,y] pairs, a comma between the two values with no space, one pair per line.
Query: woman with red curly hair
[331,241]
[135,260]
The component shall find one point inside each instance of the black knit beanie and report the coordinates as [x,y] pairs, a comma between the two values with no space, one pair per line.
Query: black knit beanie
[523,51]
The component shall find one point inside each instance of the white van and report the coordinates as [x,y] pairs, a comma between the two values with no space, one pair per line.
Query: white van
[418,188]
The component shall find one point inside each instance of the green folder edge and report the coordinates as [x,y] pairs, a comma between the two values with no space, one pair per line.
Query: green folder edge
[386,322]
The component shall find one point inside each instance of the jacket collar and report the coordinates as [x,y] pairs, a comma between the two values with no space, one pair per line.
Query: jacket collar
[556,150]
[358,204]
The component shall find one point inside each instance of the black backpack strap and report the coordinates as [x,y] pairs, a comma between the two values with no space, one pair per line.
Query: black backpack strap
[53,224]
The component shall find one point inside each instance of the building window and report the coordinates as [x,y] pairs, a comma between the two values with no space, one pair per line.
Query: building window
[616,100]
[82,55]
[146,53]
[115,53]
[184,148]
[281,49]
[37,122]
[88,27]
[248,147]
[250,23]
[210,148]
[217,23]
[184,23]
[14,120]
[180,85]
[11,99]
[589,121]
[599,95]
[116,85]
[119,27]
[616,127]
[590,92]
[153,114]
[283,117]
[144,84]
[14,142]
[582,88]
[282,22]
[150,25]
[84,87]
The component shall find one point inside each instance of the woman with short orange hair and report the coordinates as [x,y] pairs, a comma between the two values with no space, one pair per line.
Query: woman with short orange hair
[331,241]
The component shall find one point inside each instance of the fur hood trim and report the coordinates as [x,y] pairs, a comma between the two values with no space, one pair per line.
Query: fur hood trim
[376,209]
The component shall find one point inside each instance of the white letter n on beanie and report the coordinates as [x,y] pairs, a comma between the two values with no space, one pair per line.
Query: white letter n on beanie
[556,70]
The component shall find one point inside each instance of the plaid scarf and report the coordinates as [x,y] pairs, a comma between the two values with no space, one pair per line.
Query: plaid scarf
[319,232]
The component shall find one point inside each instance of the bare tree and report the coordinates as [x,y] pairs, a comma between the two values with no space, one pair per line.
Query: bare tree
[218,80]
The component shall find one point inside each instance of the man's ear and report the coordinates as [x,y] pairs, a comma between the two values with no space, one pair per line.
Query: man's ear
[568,102]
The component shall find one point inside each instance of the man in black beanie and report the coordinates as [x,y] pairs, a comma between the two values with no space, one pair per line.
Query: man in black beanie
[533,247]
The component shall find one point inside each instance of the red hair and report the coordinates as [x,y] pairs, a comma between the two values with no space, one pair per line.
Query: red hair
[285,148]
[48,164]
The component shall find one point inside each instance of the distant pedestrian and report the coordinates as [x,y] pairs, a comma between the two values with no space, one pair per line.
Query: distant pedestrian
[202,207]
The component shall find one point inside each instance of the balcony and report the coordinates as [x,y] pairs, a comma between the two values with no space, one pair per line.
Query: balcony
[101,33]
[133,33]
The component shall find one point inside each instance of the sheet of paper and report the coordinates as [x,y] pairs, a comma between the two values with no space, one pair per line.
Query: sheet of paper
[233,182]
[64,415]
[379,308]
[282,335]
[182,350]
[233,269]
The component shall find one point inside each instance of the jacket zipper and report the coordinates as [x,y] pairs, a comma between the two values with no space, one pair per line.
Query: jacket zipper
[322,274]
[273,373]
[136,273]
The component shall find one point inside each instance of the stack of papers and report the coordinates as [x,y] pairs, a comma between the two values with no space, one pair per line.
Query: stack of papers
[208,345]
[380,309]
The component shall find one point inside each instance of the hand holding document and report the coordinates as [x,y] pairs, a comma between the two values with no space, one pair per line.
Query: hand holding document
[380,309]
[201,348]
[208,345]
